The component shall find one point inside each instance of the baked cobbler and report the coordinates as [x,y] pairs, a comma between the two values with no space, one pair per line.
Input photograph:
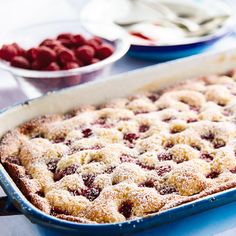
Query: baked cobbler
[131,157]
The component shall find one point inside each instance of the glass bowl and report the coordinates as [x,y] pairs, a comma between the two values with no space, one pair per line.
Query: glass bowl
[35,83]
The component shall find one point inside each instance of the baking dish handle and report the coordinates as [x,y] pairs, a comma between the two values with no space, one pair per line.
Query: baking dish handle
[7,208]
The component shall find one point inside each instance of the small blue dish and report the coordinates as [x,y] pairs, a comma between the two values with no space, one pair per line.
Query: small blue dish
[171,52]
[192,9]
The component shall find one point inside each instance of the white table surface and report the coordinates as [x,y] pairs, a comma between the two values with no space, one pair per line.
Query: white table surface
[14,14]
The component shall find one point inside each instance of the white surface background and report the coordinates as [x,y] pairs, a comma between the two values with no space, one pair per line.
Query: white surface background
[20,13]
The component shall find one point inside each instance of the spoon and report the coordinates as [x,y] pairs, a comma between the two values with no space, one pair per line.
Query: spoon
[167,15]
[208,25]
[192,28]
[205,26]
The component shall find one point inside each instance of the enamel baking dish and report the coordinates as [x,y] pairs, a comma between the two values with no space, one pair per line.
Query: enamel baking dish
[153,77]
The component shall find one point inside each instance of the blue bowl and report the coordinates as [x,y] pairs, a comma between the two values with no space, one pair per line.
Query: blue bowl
[171,52]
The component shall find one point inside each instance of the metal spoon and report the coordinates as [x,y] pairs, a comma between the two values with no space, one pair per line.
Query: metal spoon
[167,15]
[206,26]
[209,25]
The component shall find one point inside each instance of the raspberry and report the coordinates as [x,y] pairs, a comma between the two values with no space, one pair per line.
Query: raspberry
[70,65]
[233,171]
[20,62]
[31,54]
[67,171]
[65,36]
[94,60]
[195,146]
[143,128]
[7,52]
[85,53]
[51,43]
[148,184]
[65,56]
[153,97]
[88,179]
[161,170]
[53,66]
[194,108]
[208,136]
[87,132]
[20,50]
[164,157]
[168,119]
[104,51]
[167,190]
[80,63]
[93,43]
[207,157]
[57,49]
[36,66]
[127,158]
[131,137]
[79,40]
[213,175]
[191,120]
[97,39]
[219,143]
[126,209]
[52,165]
[91,193]
[66,39]
[45,56]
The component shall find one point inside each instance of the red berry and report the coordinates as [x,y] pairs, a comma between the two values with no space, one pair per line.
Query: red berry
[85,54]
[20,62]
[66,39]
[79,40]
[45,56]
[7,52]
[58,49]
[20,50]
[131,137]
[80,63]
[126,209]
[65,55]
[31,54]
[67,43]
[70,65]
[143,128]
[51,43]
[65,36]
[53,66]
[36,66]
[104,51]
[87,132]
[94,60]
[93,43]
[97,39]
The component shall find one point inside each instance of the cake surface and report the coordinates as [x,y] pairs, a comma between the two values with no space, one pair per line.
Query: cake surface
[131,157]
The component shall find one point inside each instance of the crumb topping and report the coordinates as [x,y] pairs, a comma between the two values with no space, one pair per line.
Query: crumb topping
[131,157]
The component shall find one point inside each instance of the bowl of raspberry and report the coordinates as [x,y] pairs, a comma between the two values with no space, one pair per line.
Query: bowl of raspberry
[56,55]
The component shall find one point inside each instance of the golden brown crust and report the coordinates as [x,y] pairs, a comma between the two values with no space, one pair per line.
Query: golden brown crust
[130,158]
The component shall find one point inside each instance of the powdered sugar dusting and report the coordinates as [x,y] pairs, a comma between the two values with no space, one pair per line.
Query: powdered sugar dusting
[129,158]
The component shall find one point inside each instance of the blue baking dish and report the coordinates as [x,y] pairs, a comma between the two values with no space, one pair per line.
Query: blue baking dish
[97,92]
[56,227]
